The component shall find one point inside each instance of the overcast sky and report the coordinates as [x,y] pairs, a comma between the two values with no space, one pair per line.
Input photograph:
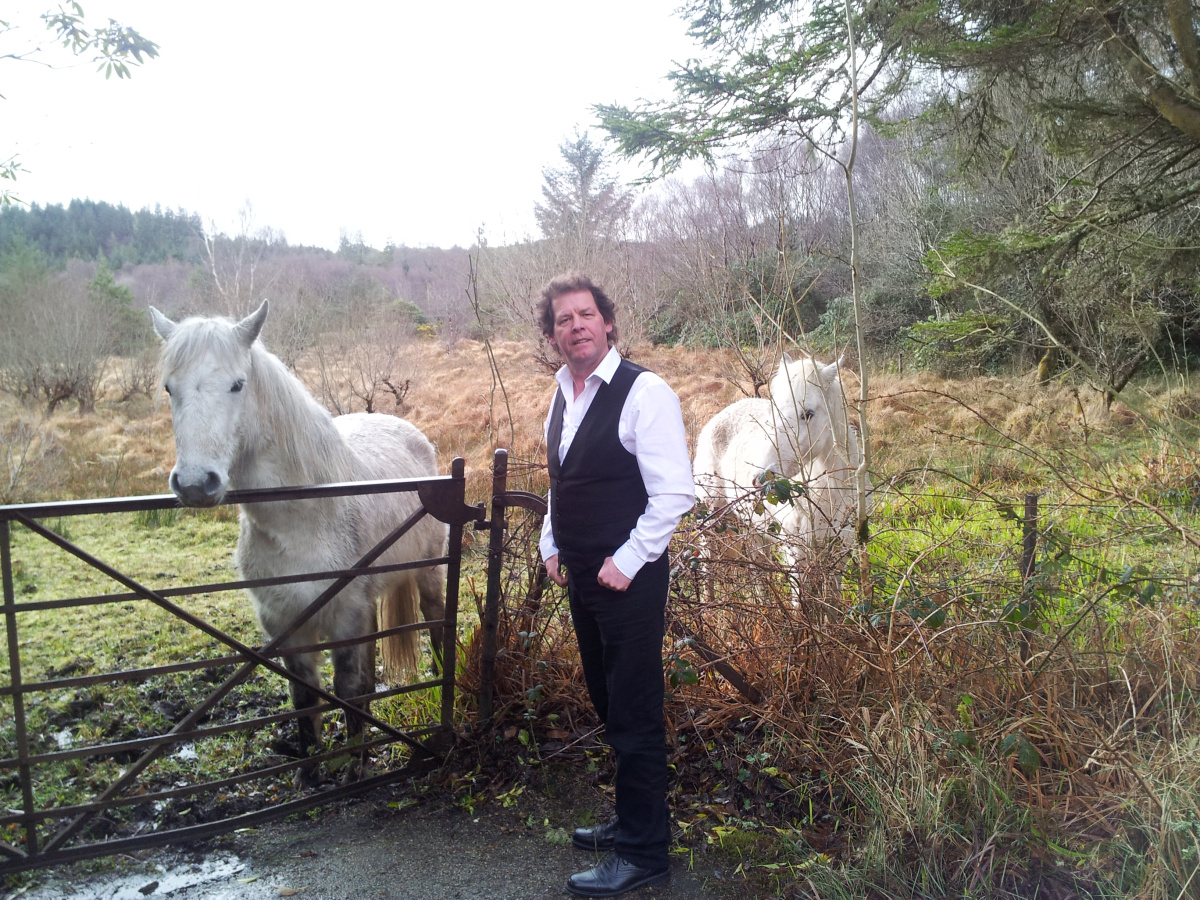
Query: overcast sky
[413,122]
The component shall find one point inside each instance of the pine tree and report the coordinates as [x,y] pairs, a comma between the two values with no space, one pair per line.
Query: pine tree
[583,203]
[128,328]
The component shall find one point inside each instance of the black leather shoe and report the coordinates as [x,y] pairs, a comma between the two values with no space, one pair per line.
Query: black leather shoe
[614,876]
[601,838]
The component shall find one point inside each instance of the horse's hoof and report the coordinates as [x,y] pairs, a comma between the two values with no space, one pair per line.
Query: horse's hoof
[354,773]
[307,778]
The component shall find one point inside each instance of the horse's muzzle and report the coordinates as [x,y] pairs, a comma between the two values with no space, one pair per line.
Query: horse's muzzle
[207,492]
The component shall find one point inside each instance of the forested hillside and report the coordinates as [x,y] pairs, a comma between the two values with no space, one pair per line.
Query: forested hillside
[75,282]
[86,229]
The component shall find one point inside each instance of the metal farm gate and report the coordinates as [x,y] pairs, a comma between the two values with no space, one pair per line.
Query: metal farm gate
[38,829]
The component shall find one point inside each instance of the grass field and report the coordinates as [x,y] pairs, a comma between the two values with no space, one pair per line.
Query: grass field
[934,725]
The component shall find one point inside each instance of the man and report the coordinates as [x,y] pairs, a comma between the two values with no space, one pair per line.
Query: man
[620,480]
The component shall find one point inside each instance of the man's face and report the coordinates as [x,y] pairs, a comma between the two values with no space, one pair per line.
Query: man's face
[580,332]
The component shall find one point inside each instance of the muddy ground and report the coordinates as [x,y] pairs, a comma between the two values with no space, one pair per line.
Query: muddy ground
[391,845]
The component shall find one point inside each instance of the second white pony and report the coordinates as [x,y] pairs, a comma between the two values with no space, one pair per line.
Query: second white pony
[802,433]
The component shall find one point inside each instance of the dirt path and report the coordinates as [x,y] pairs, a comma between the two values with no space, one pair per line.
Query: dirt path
[379,849]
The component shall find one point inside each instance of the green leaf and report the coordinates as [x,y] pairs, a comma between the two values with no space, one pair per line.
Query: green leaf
[1027,755]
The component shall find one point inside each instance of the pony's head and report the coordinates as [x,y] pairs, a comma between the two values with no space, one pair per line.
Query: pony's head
[811,407]
[205,366]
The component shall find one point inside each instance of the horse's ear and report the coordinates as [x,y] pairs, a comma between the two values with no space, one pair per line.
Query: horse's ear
[786,360]
[163,326]
[247,330]
[828,373]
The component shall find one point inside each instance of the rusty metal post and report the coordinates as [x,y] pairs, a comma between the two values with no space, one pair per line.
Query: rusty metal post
[458,470]
[1029,531]
[14,668]
[491,606]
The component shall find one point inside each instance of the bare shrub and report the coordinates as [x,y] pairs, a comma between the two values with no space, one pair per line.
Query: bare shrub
[732,254]
[57,344]
[137,375]
[27,449]
[358,368]
[294,324]
[237,271]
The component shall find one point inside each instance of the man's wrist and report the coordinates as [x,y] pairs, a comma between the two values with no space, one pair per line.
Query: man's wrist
[627,562]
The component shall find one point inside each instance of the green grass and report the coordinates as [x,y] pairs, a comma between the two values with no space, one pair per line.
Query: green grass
[196,549]
[184,548]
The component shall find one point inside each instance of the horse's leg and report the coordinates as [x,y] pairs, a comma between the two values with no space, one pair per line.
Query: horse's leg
[352,679]
[304,666]
[354,676]
[372,646]
[711,500]
[795,538]
[705,570]
[431,587]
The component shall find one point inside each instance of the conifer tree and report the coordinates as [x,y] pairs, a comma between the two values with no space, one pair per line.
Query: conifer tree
[582,202]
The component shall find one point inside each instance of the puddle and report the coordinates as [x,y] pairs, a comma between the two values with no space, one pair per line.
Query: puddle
[222,876]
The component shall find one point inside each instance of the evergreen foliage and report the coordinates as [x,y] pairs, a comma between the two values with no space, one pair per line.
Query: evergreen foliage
[130,328]
[582,201]
[91,230]
[1070,130]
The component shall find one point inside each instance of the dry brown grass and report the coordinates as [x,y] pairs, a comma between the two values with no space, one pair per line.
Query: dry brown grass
[468,410]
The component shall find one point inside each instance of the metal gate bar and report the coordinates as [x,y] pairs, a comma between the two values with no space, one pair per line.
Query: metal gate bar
[190,590]
[253,657]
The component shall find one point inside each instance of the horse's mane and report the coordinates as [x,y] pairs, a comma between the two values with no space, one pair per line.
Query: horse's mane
[314,448]
[310,445]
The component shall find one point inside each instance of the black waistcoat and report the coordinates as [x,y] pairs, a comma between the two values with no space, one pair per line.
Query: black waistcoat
[597,493]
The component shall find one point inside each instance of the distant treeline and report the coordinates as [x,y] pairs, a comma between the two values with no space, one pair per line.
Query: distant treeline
[88,230]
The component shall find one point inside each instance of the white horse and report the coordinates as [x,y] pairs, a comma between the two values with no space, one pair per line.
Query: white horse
[243,421]
[802,433]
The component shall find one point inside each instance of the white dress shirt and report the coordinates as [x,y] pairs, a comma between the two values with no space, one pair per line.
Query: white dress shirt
[651,428]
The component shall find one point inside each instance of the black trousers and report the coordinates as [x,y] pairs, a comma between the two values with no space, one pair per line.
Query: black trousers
[620,642]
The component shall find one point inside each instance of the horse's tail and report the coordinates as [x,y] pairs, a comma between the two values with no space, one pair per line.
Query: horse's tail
[398,606]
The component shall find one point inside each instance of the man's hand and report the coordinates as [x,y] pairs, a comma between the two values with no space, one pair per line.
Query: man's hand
[612,577]
[555,573]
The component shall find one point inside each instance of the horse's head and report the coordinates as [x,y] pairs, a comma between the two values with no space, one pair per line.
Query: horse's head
[205,367]
[808,397]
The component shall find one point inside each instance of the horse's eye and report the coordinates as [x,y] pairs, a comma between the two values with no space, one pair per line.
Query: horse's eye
[808,414]
[167,388]
[238,385]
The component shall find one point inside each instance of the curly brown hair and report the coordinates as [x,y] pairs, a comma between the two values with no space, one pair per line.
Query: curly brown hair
[569,283]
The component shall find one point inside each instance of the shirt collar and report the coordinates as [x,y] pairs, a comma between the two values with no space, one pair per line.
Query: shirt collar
[605,371]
